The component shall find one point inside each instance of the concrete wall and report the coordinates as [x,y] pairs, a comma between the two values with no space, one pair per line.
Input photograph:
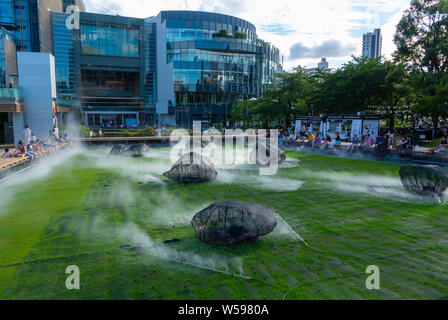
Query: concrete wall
[165,77]
[37,80]
[46,36]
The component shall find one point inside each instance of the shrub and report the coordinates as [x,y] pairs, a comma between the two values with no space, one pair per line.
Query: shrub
[84,131]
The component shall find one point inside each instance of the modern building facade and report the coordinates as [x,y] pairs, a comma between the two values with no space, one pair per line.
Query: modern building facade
[11,100]
[100,68]
[170,70]
[8,60]
[25,25]
[29,22]
[372,44]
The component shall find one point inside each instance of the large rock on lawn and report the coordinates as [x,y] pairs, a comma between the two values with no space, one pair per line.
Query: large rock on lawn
[118,150]
[192,168]
[233,222]
[137,150]
[424,180]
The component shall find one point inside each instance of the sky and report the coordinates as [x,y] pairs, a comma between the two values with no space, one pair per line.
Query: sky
[303,30]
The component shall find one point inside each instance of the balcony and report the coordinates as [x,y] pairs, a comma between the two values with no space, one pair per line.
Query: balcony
[10,93]
[11,100]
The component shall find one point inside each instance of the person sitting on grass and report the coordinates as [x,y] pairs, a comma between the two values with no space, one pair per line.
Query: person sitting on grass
[6,154]
[354,145]
[443,146]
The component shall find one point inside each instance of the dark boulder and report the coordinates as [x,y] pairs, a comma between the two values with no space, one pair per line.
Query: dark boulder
[424,180]
[265,149]
[192,168]
[233,222]
[137,150]
[118,150]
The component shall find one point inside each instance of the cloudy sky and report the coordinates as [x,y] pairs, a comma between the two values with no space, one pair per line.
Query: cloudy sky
[304,30]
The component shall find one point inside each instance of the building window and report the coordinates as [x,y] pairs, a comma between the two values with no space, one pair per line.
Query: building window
[98,83]
[109,41]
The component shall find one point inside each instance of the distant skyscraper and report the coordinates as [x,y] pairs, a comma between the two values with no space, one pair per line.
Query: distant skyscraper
[372,44]
[323,65]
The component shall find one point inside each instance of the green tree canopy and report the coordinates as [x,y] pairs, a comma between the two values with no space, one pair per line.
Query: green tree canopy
[422,37]
[422,44]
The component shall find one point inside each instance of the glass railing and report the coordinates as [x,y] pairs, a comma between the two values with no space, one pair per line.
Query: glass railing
[10,93]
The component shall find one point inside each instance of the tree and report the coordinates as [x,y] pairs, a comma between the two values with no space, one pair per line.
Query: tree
[435,106]
[242,112]
[422,38]
[395,91]
[422,44]
[352,88]
[290,93]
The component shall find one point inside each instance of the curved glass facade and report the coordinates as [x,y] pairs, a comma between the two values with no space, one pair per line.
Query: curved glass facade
[217,59]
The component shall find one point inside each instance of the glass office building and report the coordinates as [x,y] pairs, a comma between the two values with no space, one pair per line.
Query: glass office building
[8,60]
[29,22]
[65,53]
[170,70]
[217,61]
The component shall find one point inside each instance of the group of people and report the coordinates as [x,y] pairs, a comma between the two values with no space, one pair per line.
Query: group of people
[32,147]
[443,146]
[358,143]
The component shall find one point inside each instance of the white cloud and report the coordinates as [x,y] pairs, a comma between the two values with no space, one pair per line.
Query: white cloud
[329,48]
[310,23]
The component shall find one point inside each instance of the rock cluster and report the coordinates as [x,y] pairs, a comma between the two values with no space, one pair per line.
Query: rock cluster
[192,168]
[424,180]
[136,150]
[233,222]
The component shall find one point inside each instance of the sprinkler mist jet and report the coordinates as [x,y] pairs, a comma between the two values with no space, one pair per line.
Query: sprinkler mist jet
[292,230]
[198,266]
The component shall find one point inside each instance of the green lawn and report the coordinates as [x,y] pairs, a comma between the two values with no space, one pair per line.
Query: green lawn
[352,213]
